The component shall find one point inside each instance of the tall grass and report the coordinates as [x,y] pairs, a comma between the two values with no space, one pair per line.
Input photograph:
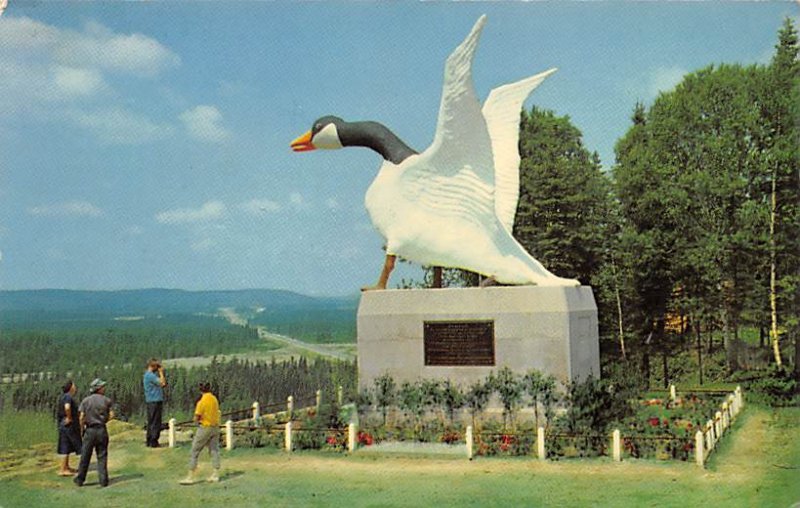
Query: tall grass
[22,429]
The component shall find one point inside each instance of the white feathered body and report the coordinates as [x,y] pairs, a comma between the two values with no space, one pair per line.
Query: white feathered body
[448,232]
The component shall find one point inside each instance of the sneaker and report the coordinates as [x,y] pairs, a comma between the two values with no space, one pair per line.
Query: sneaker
[189,480]
[214,478]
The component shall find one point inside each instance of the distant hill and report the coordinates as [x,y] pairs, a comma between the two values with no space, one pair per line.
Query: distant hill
[147,301]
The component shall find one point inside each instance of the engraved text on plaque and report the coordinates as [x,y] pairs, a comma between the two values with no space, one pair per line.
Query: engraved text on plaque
[454,343]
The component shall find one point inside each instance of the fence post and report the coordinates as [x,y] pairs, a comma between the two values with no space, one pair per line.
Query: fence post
[468,438]
[319,399]
[340,395]
[540,451]
[616,446]
[287,438]
[256,411]
[710,431]
[672,393]
[740,393]
[290,406]
[718,425]
[699,453]
[229,435]
[724,416]
[172,432]
[352,430]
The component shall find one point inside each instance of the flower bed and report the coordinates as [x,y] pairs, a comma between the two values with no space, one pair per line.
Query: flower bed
[665,429]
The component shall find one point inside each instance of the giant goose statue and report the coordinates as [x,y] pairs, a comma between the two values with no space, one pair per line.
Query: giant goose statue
[452,205]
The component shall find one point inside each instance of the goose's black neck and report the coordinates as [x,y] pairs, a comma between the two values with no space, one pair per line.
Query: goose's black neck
[377,137]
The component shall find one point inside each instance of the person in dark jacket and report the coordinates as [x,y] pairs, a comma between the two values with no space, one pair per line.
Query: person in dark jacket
[69,430]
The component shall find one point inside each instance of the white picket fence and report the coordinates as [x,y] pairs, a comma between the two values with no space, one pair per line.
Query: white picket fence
[706,440]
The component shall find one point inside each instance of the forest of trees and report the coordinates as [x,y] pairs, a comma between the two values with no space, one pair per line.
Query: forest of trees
[73,346]
[236,383]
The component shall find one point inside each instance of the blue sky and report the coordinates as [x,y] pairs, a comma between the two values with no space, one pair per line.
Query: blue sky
[147,144]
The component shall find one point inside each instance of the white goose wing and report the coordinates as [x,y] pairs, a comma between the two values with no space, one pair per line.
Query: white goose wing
[455,175]
[502,114]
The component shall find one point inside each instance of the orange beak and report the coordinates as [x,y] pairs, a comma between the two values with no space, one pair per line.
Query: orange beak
[303,143]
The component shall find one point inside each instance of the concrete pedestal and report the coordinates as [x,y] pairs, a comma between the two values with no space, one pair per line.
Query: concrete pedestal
[551,329]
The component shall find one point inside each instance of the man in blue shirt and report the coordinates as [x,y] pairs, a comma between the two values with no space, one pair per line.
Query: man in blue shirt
[154,383]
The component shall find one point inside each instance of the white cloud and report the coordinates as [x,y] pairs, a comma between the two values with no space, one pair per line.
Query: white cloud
[78,81]
[129,53]
[134,231]
[260,206]
[209,211]
[66,209]
[332,203]
[296,199]
[45,70]
[120,126]
[664,79]
[203,244]
[95,46]
[25,34]
[203,122]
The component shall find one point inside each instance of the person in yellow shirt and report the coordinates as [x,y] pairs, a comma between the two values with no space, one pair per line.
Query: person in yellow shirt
[206,414]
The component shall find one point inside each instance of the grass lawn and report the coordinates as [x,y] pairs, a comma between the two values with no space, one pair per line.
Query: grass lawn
[24,429]
[756,465]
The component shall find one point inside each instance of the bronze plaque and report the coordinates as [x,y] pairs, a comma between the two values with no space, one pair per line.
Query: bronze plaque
[454,343]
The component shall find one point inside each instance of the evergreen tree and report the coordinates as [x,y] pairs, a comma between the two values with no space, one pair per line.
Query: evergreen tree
[564,197]
[781,108]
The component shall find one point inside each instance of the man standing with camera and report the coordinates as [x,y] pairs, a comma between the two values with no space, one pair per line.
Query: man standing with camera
[154,383]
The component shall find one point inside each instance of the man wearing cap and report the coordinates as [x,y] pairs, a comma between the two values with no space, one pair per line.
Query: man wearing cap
[95,411]
[154,383]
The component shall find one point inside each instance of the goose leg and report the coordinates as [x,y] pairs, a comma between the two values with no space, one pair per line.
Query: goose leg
[388,266]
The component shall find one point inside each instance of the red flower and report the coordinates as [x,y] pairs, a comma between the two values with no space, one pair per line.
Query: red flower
[654,421]
[666,422]
[331,440]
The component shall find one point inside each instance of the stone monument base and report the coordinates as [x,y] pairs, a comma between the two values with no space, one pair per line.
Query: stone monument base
[463,334]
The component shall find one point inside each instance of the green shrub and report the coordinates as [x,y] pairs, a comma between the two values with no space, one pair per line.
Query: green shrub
[777,387]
